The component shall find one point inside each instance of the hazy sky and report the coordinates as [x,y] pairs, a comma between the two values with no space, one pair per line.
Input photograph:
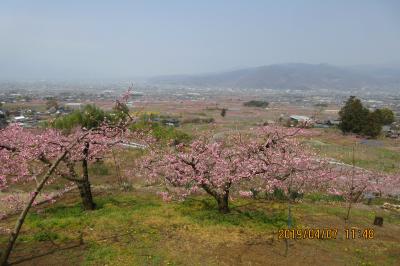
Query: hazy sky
[119,39]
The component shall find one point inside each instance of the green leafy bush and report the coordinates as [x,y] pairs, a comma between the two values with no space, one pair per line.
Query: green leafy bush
[255,103]
[162,132]
[198,120]
[89,117]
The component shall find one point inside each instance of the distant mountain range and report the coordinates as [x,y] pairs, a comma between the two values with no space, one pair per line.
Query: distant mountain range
[294,76]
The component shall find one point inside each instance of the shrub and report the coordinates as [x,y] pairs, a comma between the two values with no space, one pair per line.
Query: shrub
[89,117]
[198,120]
[162,132]
[255,103]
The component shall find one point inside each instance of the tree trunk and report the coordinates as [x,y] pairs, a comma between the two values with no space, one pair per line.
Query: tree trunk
[222,199]
[86,195]
[348,212]
[84,186]
[223,203]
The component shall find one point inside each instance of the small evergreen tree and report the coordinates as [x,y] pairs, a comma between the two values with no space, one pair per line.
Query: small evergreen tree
[353,116]
[385,116]
[223,112]
[3,119]
[358,119]
[373,125]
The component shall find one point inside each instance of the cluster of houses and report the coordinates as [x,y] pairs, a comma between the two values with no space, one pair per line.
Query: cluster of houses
[30,118]
[167,121]
[301,120]
[26,118]
[392,131]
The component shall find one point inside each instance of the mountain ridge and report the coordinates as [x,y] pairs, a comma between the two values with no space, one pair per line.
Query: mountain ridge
[293,76]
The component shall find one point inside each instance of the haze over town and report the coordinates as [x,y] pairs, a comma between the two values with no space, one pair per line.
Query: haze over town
[128,39]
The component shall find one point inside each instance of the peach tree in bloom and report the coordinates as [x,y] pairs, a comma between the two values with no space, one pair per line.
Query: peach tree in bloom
[270,157]
[354,184]
[43,156]
[26,154]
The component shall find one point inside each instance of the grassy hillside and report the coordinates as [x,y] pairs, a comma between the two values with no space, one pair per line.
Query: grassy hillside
[137,228]
[381,155]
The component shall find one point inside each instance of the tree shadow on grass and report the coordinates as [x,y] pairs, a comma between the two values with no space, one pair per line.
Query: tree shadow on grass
[74,211]
[204,211]
[49,247]
[34,255]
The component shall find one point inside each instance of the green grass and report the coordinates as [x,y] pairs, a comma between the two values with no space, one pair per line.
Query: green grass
[97,253]
[317,197]
[129,217]
[99,169]
[140,229]
[45,236]
[373,158]
[339,210]
[204,212]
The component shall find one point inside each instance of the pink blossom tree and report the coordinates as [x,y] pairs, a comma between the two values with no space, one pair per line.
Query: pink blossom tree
[41,156]
[355,183]
[270,155]
[21,158]
[27,157]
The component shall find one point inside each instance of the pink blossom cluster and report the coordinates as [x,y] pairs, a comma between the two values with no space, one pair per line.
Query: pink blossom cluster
[270,154]
[354,183]
[26,154]
[246,194]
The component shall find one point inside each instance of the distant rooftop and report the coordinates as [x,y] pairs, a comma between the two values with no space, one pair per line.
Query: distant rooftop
[19,118]
[300,117]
